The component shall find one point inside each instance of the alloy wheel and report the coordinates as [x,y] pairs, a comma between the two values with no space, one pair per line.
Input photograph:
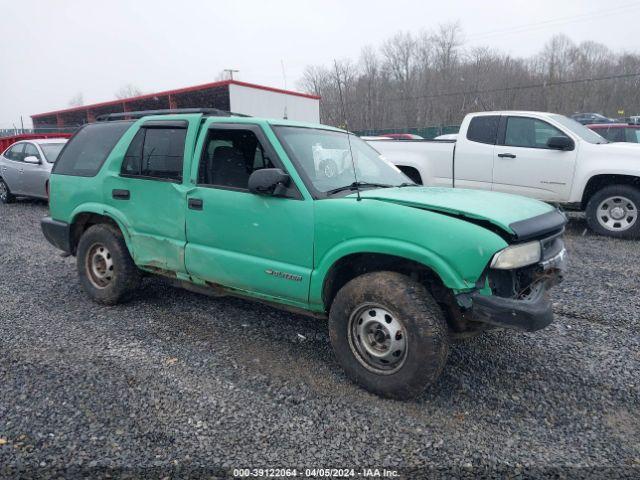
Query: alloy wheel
[4,191]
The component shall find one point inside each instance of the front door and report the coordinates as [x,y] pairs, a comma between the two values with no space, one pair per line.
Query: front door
[33,180]
[240,240]
[149,194]
[524,165]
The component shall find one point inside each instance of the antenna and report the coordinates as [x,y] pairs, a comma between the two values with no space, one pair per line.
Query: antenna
[284,77]
[230,71]
[346,127]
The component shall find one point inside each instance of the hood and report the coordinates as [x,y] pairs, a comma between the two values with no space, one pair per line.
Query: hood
[519,217]
[620,148]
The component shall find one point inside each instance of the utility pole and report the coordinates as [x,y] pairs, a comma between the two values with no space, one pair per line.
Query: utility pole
[230,71]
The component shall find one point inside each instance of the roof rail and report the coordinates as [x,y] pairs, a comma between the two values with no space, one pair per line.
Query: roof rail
[213,112]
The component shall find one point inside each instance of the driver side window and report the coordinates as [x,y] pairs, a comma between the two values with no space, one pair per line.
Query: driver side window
[229,157]
[529,132]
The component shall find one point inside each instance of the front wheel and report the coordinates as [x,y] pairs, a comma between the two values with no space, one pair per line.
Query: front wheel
[613,211]
[105,268]
[5,193]
[389,334]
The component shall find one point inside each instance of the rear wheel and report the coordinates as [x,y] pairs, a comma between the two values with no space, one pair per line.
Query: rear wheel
[613,211]
[389,334]
[105,267]
[5,194]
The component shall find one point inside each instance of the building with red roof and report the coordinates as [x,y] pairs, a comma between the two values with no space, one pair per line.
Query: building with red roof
[230,95]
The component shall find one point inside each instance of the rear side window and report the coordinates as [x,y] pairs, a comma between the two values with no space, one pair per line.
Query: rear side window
[87,150]
[484,129]
[156,152]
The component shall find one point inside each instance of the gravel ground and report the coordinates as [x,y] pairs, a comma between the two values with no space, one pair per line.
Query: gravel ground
[176,383]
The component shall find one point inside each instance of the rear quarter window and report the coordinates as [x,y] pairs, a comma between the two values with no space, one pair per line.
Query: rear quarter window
[484,129]
[87,150]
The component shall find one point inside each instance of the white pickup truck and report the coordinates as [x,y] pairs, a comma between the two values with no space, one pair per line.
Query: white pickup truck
[541,155]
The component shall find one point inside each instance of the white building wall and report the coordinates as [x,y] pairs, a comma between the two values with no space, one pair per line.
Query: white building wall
[265,103]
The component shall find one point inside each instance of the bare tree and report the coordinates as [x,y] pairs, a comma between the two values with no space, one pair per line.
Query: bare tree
[127,91]
[429,79]
[77,100]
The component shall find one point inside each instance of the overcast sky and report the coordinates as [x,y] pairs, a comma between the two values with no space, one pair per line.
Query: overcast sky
[53,50]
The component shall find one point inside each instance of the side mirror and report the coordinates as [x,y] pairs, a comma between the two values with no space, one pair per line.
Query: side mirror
[560,143]
[269,181]
[32,159]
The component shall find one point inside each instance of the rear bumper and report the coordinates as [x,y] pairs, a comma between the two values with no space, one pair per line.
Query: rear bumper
[57,233]
[529,315]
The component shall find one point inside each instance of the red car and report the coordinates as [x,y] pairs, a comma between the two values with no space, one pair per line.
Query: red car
[617,132]
[402,136]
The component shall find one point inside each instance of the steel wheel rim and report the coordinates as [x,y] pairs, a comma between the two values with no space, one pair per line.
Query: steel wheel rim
[99,266]
[3,190]
[377,338]
[617,213]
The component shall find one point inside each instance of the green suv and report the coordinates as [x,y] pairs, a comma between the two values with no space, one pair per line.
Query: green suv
[308,218]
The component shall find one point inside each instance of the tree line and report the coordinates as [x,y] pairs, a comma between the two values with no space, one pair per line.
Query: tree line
[417,80]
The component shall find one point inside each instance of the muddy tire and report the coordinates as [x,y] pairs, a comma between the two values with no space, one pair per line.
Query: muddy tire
[615,211]
[105,267]
[388,334]
[5,193]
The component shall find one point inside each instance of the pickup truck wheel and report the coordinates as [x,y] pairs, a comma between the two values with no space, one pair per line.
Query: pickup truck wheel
[388,334]
[105,268]
[5,194]
[613,211]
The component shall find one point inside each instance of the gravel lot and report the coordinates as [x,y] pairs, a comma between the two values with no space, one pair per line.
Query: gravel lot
[181,384]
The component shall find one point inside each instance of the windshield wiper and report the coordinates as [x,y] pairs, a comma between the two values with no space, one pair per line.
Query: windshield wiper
[408,184]
[355,185]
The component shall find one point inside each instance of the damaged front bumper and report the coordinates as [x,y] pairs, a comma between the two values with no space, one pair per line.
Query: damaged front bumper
[529,312]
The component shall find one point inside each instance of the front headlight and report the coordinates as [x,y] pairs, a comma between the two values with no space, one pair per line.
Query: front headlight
[517,256]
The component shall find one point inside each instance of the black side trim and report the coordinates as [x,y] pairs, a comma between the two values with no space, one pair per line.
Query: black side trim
[165,124]
[539,226]
[57,233]
[528,315]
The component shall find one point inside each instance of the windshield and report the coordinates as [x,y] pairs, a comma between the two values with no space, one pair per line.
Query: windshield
[583,132]
[324,160]
[51,151]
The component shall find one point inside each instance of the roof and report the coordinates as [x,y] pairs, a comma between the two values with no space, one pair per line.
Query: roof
[514,112]
[46,140]
[223,83]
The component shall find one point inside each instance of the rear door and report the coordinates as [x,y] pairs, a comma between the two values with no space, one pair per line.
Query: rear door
[473,155]
[524,165]
[11,166]
[148,190]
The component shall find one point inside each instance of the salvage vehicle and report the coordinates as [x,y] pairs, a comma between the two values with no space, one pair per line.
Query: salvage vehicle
[25,168]
[228,205]
[541,155]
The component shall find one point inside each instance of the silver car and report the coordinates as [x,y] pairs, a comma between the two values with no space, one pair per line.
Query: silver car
[25,168]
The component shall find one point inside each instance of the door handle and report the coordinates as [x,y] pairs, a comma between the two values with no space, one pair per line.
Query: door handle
[506,155]
[121,194]
[195,203]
